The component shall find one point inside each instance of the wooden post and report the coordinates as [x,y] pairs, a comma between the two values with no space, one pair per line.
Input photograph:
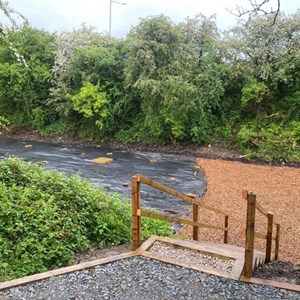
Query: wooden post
[226,232]
[269,238]
[136,219]
[195,219]
[277,242]
[250,229]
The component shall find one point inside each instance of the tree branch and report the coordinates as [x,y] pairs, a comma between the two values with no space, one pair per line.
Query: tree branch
[256,8]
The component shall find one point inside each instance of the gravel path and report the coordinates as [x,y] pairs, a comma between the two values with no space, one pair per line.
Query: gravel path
[278,191]
[142,278]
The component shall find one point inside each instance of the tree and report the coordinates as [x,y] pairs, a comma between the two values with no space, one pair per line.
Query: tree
[24,90]
[152,47]
[262,7]
[10,12]
[270,54]
[85,56]
[172,67]
[265,64]
[91,101]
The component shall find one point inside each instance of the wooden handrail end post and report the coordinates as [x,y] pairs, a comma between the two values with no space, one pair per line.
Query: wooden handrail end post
[136,219]
[250,231]
[226,232]
[195,219]
[269,238]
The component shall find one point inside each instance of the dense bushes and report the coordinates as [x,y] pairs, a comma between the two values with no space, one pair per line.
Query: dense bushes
[24,89]
[46,216]
[163,83]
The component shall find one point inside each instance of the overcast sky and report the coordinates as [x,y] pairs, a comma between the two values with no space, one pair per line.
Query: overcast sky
[64,15]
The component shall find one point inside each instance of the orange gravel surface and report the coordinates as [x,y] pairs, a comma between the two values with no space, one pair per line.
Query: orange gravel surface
[277,189]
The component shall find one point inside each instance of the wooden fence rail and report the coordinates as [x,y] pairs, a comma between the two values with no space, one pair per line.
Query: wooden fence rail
[252,206]
[137,212]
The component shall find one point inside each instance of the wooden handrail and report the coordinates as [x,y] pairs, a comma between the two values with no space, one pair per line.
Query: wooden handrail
[250,233]
[252,206]
[260,235]
[154,215]
[179,195]
[257,206]
[137,212]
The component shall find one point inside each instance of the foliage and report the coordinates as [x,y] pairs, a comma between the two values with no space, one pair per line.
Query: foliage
[24,90]
[46,216]
[253,92]
[102,64]
[3,124]
[57,127]
[271,141]
[265,60]
[91,101]
[68,44]
[162,83]
[170,67]
[11,14]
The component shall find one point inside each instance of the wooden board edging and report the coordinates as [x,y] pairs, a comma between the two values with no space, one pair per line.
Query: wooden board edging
[235,273]
[62,271]
[197,246]
[184,264]
[272,283]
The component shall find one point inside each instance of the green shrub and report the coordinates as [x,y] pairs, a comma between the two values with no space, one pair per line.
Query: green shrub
[4,123]
[46,216]
[271,141]
[55,127]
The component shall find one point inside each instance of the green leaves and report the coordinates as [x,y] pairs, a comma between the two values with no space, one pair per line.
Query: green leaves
[174,69]
[91,102]
[46,216]
[253,92]
[163,83]
[23,89]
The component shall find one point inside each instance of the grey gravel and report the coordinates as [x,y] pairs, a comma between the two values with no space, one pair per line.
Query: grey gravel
[142,278]
[192,256]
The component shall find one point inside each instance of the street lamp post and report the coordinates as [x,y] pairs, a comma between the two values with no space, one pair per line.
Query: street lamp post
[110,6]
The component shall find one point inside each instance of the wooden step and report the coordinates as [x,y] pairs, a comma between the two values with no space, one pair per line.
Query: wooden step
[223,251]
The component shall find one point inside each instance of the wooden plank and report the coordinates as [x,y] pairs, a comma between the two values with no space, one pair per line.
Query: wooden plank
[269,238]
[261,209]
[195,219]
[146,245]
[258,206]
[250,230]
[185,264]
[212,250]
[198,247]
[62,271]
[237,269]
[226,232]
[150,214]
[277,241]
[179,195]
[136,219]
[232,251]
[273,283]
[260,235]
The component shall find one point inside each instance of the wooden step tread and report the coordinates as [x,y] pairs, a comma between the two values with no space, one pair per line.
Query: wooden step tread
[222,251]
